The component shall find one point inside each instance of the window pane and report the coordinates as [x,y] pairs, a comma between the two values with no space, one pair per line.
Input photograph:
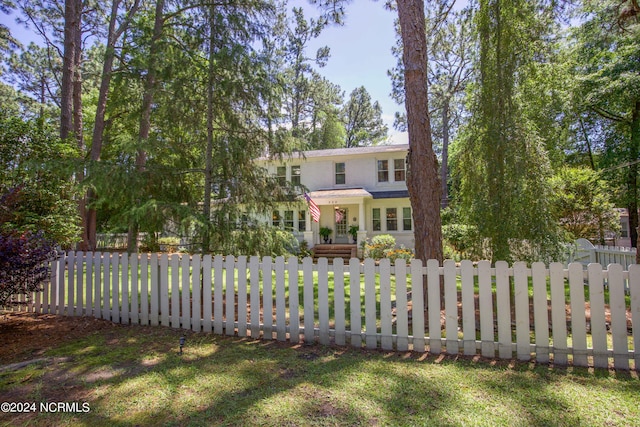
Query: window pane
[392,219]
[340,173]
[383,170]
[275,218]
[302,220]
[398,167]
[406,219]
[295,175]
[288,220]
[281,174]
[376,219]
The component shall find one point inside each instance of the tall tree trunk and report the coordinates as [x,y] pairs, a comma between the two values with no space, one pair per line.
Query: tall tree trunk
[101,108]
[444,168]
[145,118]
[422,178]
[71,25]
[208,167]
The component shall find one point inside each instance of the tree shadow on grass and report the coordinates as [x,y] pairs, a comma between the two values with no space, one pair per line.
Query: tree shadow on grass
[135,376]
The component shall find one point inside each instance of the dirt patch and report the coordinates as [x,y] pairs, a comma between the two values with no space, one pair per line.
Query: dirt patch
[25,336]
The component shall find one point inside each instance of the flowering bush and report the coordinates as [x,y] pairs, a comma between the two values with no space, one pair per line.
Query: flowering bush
[401,253]
[24,265]
[379,246]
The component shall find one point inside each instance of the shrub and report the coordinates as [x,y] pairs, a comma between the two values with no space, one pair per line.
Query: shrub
[379,246]
[24,265]
[401,253]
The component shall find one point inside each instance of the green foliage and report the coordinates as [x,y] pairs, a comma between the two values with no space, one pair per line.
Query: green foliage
[34,160]
[363,120]
[261,241]
[379,247]
[502,163]
[582,202]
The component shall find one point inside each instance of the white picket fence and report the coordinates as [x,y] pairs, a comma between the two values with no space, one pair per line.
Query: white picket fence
[585,252]
[505,312]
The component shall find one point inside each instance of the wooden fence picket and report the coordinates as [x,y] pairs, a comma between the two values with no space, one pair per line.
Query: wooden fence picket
[558,313]
[135,306]
[254,289]
[174,263]
[230,294]
[468,308]
[154,307]
[503,305]
[144,290]
[80,262]
[354,303]
[540,311]
[267,298]
[218,297]
[485,298]
[207,309]
[521,298]
[323,300]
[196,293]
[370,315]
[402,312]
[634,296]
[281,302]
[578,318]
[386,339]
[124,291]
[598,320]
[294,302]
[164,290]
[417,303]
[308,300]
[338,301]
[618,317]
[451,306]
[433,306]
[185,304]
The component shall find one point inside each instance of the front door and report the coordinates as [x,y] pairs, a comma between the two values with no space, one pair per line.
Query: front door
[342,220]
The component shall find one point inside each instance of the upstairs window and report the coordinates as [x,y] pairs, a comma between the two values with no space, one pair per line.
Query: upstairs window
[340,174]
[281,175]
[295,175]
[383,171]
[398,169]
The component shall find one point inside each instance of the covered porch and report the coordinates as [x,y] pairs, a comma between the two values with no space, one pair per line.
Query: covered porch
[340,211]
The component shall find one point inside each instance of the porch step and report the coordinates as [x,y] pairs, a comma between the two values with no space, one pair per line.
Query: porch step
[332,251]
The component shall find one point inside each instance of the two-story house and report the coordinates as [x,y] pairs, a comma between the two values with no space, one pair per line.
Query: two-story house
[363,187]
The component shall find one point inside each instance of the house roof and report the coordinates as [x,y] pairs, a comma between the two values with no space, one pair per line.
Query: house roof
[338,194]
[396,194]
[335,152]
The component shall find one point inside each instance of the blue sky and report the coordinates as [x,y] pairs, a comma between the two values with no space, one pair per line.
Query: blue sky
[361,53]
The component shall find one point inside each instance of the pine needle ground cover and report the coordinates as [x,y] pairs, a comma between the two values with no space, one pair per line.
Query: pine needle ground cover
[126,376]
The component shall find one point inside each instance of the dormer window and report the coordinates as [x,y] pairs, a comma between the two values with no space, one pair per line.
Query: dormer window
[340,174]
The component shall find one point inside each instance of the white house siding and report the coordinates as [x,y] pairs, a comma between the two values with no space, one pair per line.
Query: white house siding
[361,193]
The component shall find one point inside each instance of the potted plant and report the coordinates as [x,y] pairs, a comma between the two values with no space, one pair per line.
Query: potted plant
[325,232]
[353,231]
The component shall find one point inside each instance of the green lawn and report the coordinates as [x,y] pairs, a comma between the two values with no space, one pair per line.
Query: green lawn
[133,376]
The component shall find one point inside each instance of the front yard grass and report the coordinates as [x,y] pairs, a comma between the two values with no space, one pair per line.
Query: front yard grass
[133,375]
